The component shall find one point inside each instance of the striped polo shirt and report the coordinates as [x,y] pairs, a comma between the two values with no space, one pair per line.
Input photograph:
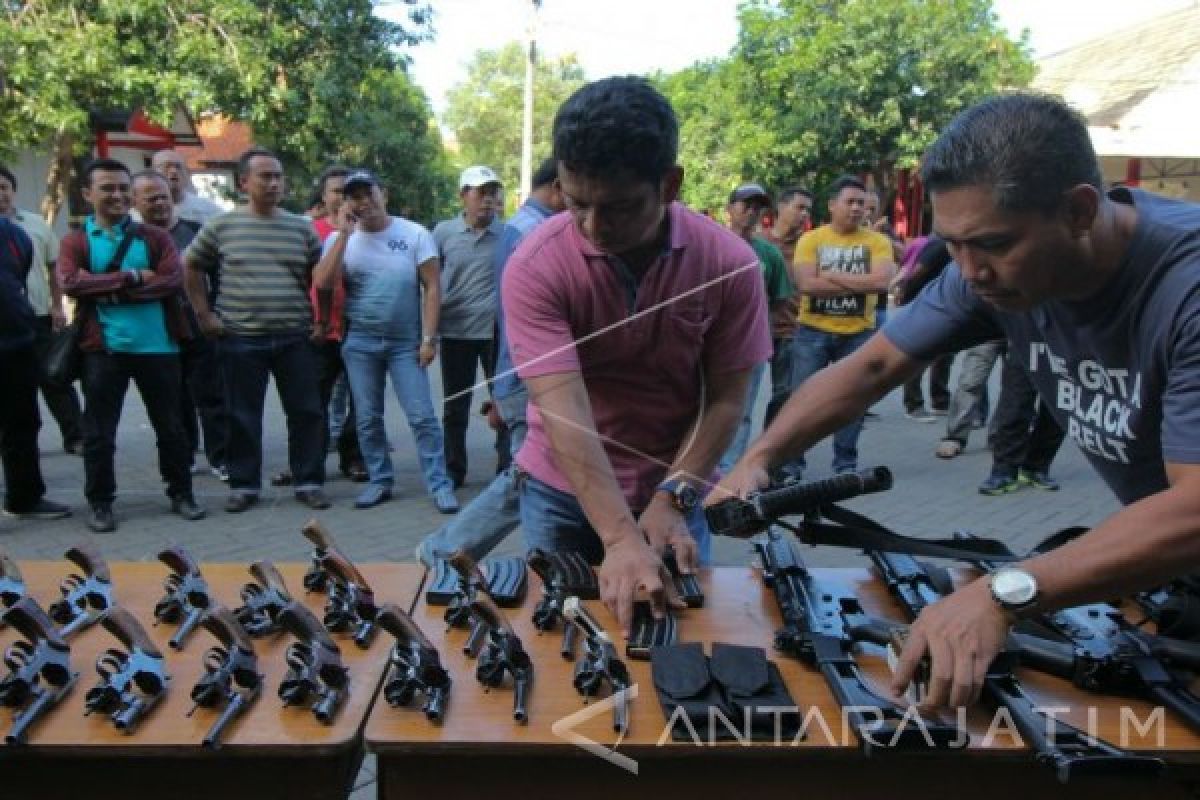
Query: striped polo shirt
[262,267]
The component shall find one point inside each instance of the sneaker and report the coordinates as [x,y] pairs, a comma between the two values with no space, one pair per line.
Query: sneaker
[445,501]
[1038,480]
[100,518]
[920,415]
[220,473]
[313,498]
[42,509]
[372,496]
[425,555]
[281,479]
[999,483]
[185,506]
[939,412]
[237,502]
[948,448]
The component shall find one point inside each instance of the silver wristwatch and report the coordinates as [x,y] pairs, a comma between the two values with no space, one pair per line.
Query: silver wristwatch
[1014,589]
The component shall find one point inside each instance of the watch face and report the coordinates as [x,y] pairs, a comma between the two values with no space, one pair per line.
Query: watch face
[1014,587]
[688,497]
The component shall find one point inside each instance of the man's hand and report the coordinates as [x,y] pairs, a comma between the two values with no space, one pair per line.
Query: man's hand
[747,477]
[631,570]
[347,221]
[426,355]
[320,331]
[58,317]
[961,634]
[211,325]
[664,525]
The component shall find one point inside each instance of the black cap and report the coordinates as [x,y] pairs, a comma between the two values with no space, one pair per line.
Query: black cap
[750,191]
[362,177]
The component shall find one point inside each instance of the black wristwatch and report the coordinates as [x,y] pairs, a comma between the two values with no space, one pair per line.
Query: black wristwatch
[684,497]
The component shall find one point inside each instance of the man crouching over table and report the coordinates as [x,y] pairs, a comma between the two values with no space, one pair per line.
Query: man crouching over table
[635,324]
[1097,295]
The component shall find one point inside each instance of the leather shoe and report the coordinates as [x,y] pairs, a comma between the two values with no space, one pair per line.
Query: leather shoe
[239,502]
[313,498]
[100,518]
[355,472]
[186,507]
[372,496]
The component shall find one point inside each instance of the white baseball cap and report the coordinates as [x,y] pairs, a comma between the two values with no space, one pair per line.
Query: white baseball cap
[478,175]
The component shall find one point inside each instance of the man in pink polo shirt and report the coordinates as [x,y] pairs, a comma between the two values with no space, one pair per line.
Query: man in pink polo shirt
[636,324]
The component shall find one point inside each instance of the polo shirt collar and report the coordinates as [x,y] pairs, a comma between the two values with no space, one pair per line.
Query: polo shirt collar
[496,226]
[95,230]
[544,210]
[676,234]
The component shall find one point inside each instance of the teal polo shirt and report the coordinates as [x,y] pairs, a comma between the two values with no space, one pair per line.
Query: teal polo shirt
[138,328]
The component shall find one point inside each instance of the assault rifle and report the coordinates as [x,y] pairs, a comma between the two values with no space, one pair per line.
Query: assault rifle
[821,624]
[86,597]
[262,600]
[315,670]
[351,601]
[600,664]
[231,677]
[745,517]
[12,584]
[1064,748]
[187,596]
[502,654]
[1174,608]
[563,575]
[39,667]
[416,667]
[1113,656]
[133,680]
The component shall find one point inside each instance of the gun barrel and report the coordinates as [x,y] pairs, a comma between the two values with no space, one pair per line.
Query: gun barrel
[185,628]
[570,634]
[235,706]
[327,705]
[621,711]
[520,697]
[364,634]
[435,704]
[42,700]
[128,716]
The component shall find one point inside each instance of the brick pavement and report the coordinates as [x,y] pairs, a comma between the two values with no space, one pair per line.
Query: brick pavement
[932,497]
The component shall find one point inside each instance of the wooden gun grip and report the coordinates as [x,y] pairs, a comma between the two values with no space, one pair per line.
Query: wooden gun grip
[268,575]
[298,620]
[123,625]
[399,624]
[539,562]
[467,568]
[179,561]
[87,557]
[341,567]
[317,533]
[221,623]
[32,622]
[8,567]
[483,607]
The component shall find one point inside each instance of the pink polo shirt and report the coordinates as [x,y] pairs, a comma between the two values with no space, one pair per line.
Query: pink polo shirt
[700,307]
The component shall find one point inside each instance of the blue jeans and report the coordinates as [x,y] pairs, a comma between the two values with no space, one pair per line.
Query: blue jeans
[495,512]
[246,362]
[812,351]
[741,437]
[554,521]
[369,360]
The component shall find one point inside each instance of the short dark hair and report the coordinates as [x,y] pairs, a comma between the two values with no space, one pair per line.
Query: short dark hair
[102,165]
[5,172]
[845,182]
[149,173]
[318,193]
[546,174]
[614,125]
[788,194]
[243,164]
[1027,147]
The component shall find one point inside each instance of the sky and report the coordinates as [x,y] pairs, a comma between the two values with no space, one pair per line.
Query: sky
[614,37]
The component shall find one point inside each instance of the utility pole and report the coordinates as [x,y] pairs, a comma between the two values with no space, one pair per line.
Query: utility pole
[527,116]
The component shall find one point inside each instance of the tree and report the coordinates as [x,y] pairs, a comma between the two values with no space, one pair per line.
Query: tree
[815,88]
[484,111]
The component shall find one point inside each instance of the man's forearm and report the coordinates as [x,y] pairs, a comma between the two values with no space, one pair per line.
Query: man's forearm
[877,280]
[832,398]
[431,299]
[714,428]
[197,290]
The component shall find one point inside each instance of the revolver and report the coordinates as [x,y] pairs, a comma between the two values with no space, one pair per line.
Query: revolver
[187,596]
[415,663]
[133,680]
[262,600]
[231,677]
[351,602]
[315,671]
[12,583]
[39,667]
[600,664]
[85,597]
[563,575]
[502,654]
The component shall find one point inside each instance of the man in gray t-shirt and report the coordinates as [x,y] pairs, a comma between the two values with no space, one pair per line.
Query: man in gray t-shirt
[1098,295]
[467,245]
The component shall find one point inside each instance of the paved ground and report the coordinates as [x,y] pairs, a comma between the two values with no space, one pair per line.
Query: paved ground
[931,497]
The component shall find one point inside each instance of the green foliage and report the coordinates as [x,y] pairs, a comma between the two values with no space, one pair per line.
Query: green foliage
[484,111]
[816,88]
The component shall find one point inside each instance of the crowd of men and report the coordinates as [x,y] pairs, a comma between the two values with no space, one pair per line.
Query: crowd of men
[626,338]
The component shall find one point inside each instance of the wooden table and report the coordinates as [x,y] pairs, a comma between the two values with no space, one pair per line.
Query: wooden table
[269,752]
[479,751]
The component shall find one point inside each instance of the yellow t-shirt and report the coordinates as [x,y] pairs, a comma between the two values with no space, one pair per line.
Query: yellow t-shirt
[856,253]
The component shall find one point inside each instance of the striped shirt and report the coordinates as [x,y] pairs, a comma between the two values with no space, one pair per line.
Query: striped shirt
[262,267]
